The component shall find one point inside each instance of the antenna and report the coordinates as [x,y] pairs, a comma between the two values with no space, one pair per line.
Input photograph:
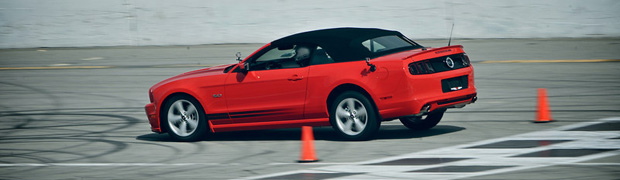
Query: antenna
[451,30]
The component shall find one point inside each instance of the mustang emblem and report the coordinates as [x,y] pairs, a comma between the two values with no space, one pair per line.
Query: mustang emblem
[449,62]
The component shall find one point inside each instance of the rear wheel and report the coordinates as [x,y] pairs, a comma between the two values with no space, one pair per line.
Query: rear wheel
[185,118]
[353,116]
[423,122]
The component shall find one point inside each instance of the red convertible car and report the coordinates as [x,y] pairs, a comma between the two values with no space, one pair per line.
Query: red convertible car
[349,78]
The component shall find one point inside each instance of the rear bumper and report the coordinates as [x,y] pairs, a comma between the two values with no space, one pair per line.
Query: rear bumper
[455,102]
[458,102]
[423,93]
[418,107]
[151,114]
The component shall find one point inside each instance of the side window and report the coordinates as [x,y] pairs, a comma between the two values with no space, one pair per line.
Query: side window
[386,43]
[373,46]
[320,56]
[283,57]
[275,54]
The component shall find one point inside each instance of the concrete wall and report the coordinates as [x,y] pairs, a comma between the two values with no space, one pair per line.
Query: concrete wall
[76,23]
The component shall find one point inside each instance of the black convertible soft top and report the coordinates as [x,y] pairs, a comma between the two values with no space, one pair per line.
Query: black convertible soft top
[342,44]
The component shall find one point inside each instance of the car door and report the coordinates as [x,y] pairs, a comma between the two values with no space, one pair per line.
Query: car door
[273,89]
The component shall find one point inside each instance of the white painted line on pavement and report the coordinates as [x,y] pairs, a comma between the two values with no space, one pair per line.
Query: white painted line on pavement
[507,158]
[314,163]
[92,58]
[107,164]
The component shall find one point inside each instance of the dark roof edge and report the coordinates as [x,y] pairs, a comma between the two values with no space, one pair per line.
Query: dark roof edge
[348,33]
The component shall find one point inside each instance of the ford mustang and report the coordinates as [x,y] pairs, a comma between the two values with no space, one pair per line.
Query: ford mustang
[349,78]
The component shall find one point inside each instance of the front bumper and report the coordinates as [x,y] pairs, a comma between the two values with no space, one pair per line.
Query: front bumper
[151,114]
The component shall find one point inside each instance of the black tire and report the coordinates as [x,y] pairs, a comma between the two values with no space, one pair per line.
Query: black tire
[357,123]
[423,123]
[184,109]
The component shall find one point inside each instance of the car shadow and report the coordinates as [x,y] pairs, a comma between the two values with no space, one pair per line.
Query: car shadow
[320,133]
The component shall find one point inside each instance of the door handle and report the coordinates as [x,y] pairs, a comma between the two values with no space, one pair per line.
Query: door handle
[295,78]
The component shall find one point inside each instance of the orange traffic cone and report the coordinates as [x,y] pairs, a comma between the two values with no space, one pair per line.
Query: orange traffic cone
[544,113]
[307,145]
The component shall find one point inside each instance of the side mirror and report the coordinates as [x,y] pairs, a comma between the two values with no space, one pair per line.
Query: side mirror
[372,68]
[245,67]
[238,55]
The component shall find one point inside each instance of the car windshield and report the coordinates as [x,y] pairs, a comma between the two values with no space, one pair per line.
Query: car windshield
[388,44]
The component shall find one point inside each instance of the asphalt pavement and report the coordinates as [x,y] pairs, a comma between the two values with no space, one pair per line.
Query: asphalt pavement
[77,113]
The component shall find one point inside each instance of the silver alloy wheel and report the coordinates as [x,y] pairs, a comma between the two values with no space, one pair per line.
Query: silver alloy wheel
[183,118]
[351,116]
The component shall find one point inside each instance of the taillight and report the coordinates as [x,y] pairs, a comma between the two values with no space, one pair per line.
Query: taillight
[422,67]
[429,67]
[465,59]
[151,95]
[439,64]
[412,69]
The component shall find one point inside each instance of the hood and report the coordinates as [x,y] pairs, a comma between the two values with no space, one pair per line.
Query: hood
[210,71]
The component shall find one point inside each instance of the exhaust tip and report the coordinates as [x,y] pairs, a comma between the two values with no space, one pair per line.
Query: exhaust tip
[426,108]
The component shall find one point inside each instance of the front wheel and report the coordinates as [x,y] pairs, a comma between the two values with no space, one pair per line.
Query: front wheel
[185,118]
[353,116]
[423,123]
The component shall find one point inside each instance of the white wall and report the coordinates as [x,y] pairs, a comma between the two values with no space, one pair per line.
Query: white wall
[73,23]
